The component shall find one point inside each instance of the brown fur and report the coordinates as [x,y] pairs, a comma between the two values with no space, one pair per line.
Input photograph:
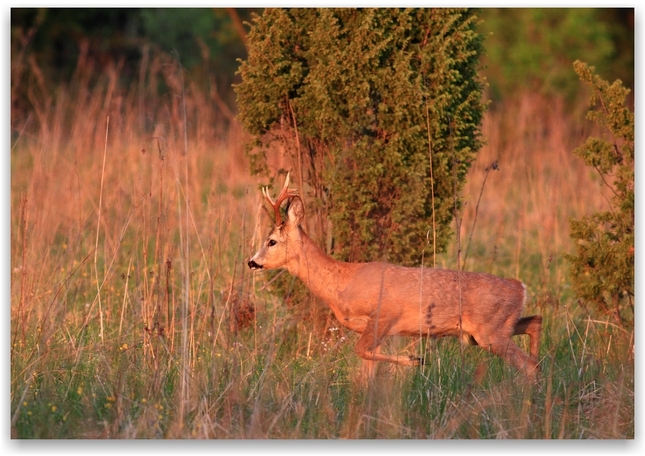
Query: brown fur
[381,299]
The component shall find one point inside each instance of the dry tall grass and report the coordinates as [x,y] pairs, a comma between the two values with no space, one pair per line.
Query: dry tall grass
[133,315]
[525,206]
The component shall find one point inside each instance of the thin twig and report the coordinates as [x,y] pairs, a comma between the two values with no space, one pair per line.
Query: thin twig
[98,228]
[602,176]
[125,296]
[21,132]
[481,192]
[184,341]
[458,233]
[434,225]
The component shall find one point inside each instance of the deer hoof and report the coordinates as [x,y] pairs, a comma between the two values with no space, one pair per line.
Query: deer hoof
[417,361]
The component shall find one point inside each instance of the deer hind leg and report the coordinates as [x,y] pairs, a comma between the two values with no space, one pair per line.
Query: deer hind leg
[368,347]
[533,327]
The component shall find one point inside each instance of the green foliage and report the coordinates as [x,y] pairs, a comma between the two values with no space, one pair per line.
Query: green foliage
[535,46]
[380,112]
[205,40]
[191,32]
[602,268]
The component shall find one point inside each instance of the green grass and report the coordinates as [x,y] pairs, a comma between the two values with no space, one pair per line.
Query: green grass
[239,391]
[128,335]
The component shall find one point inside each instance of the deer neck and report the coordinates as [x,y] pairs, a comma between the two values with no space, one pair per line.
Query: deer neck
[323,275]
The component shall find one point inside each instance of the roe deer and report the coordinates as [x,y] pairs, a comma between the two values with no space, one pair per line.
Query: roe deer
[381,299]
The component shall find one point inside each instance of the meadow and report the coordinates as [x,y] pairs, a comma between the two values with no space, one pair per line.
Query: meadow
[133,314]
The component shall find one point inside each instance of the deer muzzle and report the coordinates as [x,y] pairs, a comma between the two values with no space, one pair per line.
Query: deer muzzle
[253,265]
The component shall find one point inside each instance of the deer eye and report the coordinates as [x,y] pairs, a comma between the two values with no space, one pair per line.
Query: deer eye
[272,242]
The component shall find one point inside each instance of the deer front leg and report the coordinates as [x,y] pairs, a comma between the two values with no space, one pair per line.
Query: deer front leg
[368,367]
[368,347]
[533,327]
[513,355]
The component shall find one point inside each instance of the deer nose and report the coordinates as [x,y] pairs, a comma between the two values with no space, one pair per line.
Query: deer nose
[253,265]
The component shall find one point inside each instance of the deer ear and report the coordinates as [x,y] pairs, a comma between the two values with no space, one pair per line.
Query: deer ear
[295,211]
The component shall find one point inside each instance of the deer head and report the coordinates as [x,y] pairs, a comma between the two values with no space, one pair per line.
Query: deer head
[282,244]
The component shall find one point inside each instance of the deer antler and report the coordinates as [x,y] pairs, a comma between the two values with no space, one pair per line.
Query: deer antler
[285,193]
